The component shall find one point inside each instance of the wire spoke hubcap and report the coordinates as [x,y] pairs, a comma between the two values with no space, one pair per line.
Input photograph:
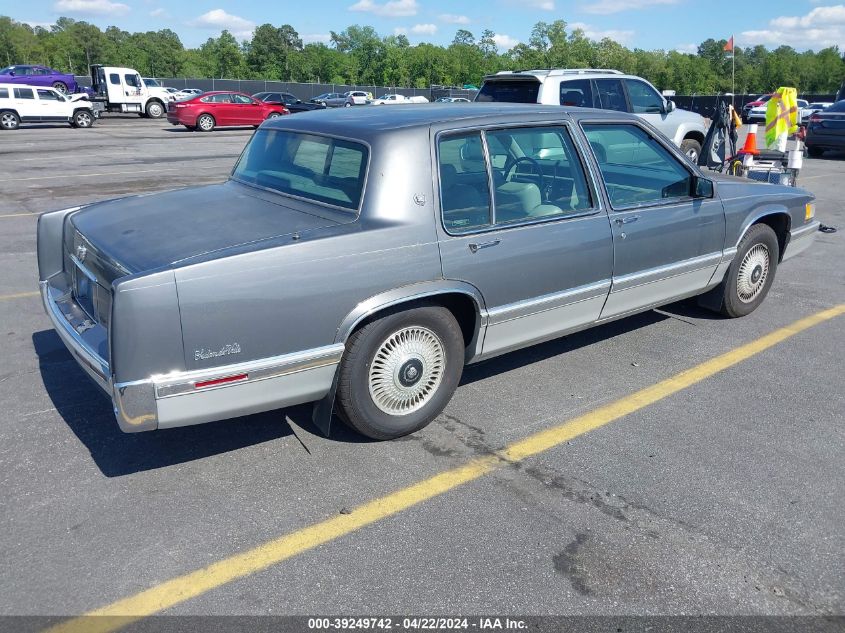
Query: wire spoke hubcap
[407,370]
[753,273]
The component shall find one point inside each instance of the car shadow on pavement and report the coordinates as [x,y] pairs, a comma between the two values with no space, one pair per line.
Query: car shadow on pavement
[88,413]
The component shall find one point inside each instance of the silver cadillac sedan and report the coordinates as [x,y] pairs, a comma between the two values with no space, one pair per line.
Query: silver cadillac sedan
[359,259]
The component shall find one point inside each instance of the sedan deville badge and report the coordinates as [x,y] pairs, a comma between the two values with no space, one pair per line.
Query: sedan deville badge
[226,350]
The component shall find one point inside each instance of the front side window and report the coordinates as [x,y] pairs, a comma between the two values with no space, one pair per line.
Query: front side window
[646,174]
[241,99]
[536,174]
[24,93]
[48,95]
[132,80]
[319,168]
[578,92]
[611,95]
[464,184]
[644,99]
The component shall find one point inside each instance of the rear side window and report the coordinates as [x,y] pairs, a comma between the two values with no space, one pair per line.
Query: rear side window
[4,93]
[644,99]
[464,186]
[611,95]
[24,93]
[318,168]
[509,91]
[114,79]
[577,93]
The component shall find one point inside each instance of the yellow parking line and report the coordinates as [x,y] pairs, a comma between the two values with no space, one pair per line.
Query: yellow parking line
[182,588]
[20,295]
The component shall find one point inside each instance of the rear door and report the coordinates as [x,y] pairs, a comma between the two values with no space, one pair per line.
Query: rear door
[25,103]
[538,248]
[666,242]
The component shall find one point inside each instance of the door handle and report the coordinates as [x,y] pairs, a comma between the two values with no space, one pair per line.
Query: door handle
[474,248]
[627,219]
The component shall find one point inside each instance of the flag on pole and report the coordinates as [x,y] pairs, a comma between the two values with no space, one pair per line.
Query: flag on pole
[729,47]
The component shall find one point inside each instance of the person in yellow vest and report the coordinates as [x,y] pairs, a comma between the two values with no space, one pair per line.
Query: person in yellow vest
[781,117]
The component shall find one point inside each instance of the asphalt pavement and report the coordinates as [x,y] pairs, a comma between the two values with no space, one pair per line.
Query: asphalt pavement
[724,498]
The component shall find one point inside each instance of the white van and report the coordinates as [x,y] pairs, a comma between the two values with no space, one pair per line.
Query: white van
[123,90]
[27,104]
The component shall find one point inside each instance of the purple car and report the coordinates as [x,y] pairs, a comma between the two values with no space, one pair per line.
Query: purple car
[38,76]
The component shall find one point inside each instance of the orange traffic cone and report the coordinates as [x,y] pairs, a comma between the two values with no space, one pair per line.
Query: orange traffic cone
[751,141]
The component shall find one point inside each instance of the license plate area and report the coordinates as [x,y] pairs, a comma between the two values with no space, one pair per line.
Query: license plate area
[84,289]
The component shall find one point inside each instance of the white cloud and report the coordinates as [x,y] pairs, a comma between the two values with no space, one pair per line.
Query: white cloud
[451,18]
[35,25]
[218,19]
[313,38]
[505,42]
[606,7]
[391,8]
[617,35]
[91,7]
[820,28]
[424,29]
[543,5]
[687,48]
[159,13]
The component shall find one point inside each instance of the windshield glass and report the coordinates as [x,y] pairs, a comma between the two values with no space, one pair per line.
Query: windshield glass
[319,168]
[6,70]
[509,91]
[153,83]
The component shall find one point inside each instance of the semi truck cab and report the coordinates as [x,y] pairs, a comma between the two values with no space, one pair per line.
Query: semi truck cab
[123,90]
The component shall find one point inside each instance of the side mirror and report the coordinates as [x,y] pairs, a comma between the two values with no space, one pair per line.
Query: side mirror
[299,101]
[701,187]
[670,106]
[12,73]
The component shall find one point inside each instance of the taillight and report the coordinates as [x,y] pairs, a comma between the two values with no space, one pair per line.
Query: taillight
[815,118]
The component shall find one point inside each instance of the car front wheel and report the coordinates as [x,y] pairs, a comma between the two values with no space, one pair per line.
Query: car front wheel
[692,149]
[9,120]
[752,272]
[205,123]
[83,118]
[399,371]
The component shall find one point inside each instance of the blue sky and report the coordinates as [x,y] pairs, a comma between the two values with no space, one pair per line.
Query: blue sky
[649,24]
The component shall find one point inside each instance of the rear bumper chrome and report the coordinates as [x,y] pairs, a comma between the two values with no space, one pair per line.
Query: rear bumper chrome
[174,399]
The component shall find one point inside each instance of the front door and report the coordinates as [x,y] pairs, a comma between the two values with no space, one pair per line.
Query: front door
[667,242]
[246,111]
[521,222]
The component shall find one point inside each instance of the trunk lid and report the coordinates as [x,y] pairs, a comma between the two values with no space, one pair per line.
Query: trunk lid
[140,233]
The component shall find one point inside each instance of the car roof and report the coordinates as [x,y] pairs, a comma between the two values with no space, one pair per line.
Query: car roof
[369,123]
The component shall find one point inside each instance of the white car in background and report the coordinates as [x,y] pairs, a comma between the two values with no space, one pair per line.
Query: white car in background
[758,114]
[391,99]
[356,97]
[38,104]
[816,106]
[187,93]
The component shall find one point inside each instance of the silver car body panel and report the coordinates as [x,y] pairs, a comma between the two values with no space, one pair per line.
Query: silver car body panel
[257,318]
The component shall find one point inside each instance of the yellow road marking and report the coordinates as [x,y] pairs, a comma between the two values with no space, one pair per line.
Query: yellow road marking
[182,588]
[20,295]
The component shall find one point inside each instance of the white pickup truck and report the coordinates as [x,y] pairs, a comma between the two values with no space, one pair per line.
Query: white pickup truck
[30,104]
[123,90]
[390,99]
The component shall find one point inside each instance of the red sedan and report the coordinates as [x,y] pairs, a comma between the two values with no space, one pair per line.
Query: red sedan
[212,109]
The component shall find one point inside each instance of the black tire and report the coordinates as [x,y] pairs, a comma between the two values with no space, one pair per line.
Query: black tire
[758,255]
[415,376]
[691,149]
[155,109]
[347,105]
[61,87]
[83,118]
[272,115]
[191,128]
[9,120]
[815,151]
[205,123]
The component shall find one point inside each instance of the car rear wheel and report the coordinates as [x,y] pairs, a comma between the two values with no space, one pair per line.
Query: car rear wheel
[60,86]
[82,118]
[205,123]
[692,149]
[399,372]
[752,272]
[9,120]
[155,110]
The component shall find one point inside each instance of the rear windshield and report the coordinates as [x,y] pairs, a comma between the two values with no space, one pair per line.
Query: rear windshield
[839,106]
[509,91]
[319,168]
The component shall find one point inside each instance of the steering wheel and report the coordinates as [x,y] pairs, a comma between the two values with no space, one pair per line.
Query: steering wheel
[527,159]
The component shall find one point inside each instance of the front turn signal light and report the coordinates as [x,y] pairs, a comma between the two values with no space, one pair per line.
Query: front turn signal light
[809,211]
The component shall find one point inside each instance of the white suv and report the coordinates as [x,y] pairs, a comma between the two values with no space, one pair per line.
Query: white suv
[597,88]
[35,103]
